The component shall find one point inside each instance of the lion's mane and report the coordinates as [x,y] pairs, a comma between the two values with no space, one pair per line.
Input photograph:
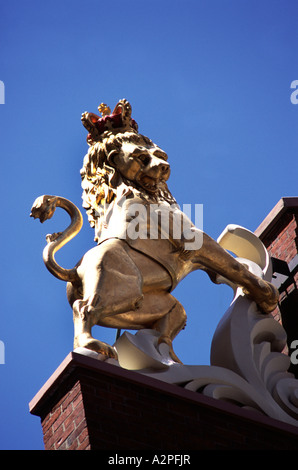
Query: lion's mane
[100,179]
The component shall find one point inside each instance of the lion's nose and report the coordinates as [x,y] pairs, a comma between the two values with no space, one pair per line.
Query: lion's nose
[164,169]
[160,168]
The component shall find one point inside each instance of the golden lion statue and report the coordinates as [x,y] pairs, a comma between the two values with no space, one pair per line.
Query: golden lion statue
[127,279]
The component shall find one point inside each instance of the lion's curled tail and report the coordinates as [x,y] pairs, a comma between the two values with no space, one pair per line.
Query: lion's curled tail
[43,209]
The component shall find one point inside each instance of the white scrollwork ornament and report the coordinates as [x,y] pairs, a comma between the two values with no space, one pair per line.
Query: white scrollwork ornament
[250,344]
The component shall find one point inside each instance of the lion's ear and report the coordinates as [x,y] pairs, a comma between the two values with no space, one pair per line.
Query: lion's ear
[112,158]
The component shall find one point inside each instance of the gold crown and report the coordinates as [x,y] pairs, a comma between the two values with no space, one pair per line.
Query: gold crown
[118,121]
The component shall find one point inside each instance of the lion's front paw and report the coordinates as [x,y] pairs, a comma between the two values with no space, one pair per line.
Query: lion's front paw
[266,296]
[271,296]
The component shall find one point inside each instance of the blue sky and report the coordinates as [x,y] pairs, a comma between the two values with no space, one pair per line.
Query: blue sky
[209,82]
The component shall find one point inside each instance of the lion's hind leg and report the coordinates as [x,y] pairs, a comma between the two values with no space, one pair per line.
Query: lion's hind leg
[170,325]
[112,284]
[159,311]
[83,323]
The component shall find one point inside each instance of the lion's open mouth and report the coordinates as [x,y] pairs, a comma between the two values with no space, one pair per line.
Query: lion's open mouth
[148,183]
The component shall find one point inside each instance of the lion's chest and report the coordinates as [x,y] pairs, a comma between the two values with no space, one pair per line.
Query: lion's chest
[136,219]
[154,229]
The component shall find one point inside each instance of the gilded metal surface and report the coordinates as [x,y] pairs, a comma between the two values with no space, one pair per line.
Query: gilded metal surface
[43,208]
[126,281]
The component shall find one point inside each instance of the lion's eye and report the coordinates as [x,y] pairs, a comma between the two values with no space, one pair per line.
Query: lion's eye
[145,159]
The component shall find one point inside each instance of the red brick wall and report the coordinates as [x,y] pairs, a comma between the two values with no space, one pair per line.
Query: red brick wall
[92,405]
[284,244]
[279,233]
[65,427]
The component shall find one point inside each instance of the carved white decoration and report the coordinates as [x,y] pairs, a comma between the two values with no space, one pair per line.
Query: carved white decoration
[247,367]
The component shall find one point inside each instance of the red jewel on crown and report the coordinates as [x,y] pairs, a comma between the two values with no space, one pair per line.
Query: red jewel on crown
[118,121]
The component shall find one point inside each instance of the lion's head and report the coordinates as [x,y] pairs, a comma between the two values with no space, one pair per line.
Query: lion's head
[121,156]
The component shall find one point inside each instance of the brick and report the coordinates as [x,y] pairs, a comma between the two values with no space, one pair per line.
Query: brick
[84,436]
[69,424]
[84,445]
[58,422]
